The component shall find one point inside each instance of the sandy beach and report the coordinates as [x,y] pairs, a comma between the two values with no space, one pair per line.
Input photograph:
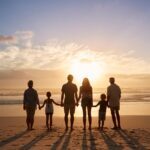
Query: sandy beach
[134,135]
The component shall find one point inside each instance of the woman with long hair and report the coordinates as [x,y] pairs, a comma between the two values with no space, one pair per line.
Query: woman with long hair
[87,101]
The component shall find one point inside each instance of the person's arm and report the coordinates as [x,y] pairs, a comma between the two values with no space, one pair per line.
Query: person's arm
[119,93]
[76,95]
[92,95]
[62,96]
[108,95]
[37,98]
[56,103]
[24,98]
[96,104]
[79,95]
[107,103]
[43,104]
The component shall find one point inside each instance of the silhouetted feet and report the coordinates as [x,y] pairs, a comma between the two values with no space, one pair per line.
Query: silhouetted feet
[89,127]
[72,129]
[84,128]
[101,129]
[114,128]
[28,129]
[119,128]
[66,128]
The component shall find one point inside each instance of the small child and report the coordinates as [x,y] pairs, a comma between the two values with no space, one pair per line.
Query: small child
[49,109]
[102,111]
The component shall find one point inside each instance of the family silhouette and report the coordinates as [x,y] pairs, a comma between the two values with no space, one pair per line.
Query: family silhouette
[69,101]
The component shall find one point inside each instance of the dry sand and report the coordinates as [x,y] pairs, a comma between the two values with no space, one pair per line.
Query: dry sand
[134,135]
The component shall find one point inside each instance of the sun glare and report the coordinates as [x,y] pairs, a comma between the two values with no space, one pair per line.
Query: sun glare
[90,70]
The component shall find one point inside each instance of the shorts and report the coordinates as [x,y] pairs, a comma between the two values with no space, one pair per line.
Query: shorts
[102,115]
[48,113]
[114,108]
[30,110]
[69,108]
[86,102]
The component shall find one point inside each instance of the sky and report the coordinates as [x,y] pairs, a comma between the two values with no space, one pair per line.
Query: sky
[82,37]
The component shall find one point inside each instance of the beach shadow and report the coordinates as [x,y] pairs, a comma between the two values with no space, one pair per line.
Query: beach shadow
[132,143]
[58,142]
[34,141]
[66,141]
[111,144]
[84,141]
[12,138]
[92,140]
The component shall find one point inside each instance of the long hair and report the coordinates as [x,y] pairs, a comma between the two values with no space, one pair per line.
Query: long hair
[86,84]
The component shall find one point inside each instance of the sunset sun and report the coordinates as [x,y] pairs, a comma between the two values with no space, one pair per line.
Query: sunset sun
[91,70]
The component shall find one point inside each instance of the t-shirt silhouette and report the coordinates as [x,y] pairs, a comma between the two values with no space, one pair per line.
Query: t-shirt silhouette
[31,97]
[103,105]
[69,90]
[114,93]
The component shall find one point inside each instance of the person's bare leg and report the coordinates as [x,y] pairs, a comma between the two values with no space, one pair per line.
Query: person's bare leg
[102,124]
[72,120]
[99,123]
[32,122]
[118,119]
[28,122]
[66,118]
[51,121]
[113,119]
[84,117]
[89,117]
[47,122]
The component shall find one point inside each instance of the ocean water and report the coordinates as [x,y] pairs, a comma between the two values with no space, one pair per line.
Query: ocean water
[133,102]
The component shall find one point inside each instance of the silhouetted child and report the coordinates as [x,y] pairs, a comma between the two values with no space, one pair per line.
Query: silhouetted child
[102,111]
[49,109]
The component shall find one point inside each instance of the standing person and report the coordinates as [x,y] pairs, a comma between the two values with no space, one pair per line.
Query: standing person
[87,101]
[49,110]
[68,96]
[30,102]
[113,97]
[102,111]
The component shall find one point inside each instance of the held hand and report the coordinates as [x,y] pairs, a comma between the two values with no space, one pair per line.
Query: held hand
[62,104]
[77,104]
[24,107]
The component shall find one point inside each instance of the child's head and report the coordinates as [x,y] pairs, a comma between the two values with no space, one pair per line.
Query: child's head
[103,96]
[48,94]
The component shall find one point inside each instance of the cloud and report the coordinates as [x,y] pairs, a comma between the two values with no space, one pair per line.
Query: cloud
[24,38]
[24,34]
[55,55]
[7,39]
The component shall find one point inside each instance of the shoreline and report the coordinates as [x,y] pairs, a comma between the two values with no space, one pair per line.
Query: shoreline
[127,121]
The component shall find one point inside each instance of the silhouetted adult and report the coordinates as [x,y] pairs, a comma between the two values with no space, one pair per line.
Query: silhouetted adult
[30,103]
[68,96]
[87,101]
[113,97]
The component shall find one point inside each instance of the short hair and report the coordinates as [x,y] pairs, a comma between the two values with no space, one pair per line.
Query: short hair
[48,94]
[103,96]
[70,77]
[112,79]
[30,83]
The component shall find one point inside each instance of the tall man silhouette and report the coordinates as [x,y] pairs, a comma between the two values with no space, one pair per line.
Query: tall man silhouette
[30,102]
[68,97]
[113,97]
